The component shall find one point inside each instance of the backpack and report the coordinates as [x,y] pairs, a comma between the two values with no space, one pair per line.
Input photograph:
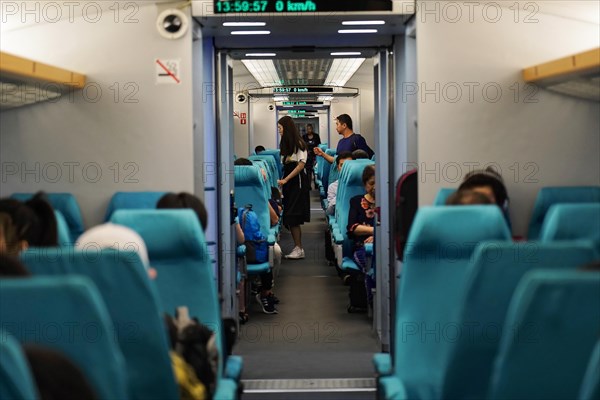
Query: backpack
[257,248]
[195,343]
[369,151]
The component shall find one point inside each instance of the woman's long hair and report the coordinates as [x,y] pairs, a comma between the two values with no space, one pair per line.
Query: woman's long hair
[290,140]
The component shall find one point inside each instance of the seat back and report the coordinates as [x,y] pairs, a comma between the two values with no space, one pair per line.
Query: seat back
[442,196]
[439,248]
[492,277]
[16,381]
[334,174]
[327,168]
[407,203]
[132,303]
[572,222]
[64,236]
[249,189]
[271,166]
[590,388]
[67,204]
[549,196]
[67,314]
[276,155]
[350,185]
[132,200]
[177,250]
[551,328]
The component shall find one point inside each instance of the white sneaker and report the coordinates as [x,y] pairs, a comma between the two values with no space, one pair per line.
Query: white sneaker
[296,254]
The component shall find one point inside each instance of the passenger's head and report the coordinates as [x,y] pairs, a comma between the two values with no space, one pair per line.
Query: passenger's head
[368,179]
[343,122]
[359,154]
[117,237]
[242,161]
[291,141]
[9,242]
[12,267]
[34,221]
[466,197]
[341,158]
[259,148]
[489,183]
[185,200]
[309,129]
[57,377]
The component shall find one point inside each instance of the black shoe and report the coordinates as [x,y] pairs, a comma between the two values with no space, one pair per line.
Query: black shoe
[267,306]
[272,298]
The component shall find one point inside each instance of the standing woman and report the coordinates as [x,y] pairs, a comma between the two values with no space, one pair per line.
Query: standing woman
[295,185]
[312,140]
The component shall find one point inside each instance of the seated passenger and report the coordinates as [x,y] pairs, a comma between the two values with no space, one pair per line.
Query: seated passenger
[34,222]
[466,197]
[491,184]
[361,217]
[359,154]
[333,187]
[265,296]
[117,237]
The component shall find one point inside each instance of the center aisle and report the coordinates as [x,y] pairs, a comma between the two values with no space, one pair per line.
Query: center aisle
[313,336]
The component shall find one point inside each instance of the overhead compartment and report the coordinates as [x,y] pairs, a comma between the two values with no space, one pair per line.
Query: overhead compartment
[24,82]
[576,75]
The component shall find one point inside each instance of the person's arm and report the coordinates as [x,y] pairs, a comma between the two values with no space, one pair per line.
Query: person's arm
[321,153]
[355,224]
[239,234]
[273,216]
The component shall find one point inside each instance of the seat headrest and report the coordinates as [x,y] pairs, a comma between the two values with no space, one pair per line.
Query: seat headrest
[168,234]
[248,175]
[135,200]
[454,230]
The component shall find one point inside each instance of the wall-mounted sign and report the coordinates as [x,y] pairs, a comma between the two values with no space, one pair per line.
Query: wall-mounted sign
[167,71]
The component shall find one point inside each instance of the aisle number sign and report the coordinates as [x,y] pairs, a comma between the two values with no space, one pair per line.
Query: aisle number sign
[167,71]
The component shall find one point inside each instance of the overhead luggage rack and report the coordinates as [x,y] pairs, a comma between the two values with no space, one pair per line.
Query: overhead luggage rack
[577,75]
[24,82]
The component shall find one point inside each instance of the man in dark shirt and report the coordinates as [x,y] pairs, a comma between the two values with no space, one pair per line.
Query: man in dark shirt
[351,141]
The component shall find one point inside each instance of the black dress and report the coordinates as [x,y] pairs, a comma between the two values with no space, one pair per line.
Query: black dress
[296,197]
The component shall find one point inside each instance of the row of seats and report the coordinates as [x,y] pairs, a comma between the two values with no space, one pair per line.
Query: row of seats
[547,197]
[107,294]
[480,316]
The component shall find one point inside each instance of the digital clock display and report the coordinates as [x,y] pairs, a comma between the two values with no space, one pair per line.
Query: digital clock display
[296,6]
[302,89]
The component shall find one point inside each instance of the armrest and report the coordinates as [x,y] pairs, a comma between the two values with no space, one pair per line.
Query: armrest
[271,239]
[383,364]
[233,367]
[337,236]
[226,390]
[241,250]
[391,388]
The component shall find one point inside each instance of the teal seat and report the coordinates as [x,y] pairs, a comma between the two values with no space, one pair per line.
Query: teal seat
[67,314]
[16,381]
[436,259]
[272,170]
[590,388]
[276,155]
[67,204]
[442,196]
[551,328]
[325,173]
[573,222]
[249,190]
[492,277]
[64,236]
[549,196]
[132,303]
[132,200]
[177,250]
[350,185]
